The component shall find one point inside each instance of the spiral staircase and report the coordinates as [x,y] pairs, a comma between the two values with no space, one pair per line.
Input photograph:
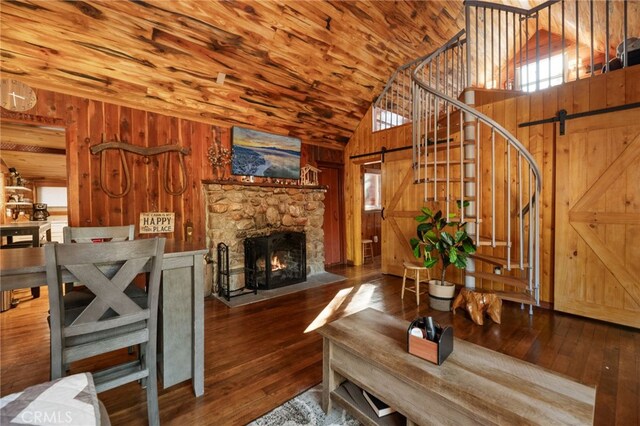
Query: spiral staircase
[460,154]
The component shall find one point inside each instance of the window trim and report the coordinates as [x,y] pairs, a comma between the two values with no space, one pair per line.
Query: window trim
[378,196]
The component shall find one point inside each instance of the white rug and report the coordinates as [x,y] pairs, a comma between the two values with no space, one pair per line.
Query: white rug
[312,281]
[305,410]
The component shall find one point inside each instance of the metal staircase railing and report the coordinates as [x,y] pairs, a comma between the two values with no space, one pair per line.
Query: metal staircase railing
[462,154]
[393,106]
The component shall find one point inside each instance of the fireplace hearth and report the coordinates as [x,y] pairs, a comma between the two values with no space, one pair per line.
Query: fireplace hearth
[276,260]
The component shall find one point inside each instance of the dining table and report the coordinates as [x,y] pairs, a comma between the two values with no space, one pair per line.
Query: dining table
[181,310]
[39,232]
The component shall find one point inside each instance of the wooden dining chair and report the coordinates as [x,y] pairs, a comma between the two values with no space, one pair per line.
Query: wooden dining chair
[115,318]
[91,234]
[73,297]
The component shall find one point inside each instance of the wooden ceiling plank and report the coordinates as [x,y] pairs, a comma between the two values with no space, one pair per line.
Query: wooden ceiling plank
[289,67]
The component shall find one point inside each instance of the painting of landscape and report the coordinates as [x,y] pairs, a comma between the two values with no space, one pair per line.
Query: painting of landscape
[263,154]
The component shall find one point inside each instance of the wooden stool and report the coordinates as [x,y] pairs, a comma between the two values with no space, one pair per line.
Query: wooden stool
[416,268]
[367,250]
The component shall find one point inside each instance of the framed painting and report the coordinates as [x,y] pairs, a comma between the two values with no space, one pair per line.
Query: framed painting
[256,153]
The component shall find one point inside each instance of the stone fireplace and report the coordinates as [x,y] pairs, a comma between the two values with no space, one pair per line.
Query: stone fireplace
[237,211]
[275,260]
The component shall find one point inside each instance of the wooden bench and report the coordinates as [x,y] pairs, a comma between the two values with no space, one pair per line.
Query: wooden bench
[475,385]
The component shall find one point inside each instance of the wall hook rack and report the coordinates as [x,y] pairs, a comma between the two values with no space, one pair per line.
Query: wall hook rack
[146,152]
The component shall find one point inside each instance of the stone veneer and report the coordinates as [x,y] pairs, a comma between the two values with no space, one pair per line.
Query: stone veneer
[236,211]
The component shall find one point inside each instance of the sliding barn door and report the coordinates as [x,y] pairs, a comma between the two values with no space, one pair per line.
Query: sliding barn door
[597,256]
[402,201]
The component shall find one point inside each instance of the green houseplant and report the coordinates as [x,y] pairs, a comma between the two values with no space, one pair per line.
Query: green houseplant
[438,239]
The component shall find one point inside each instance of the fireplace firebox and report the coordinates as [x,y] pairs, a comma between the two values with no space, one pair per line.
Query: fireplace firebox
[275,260]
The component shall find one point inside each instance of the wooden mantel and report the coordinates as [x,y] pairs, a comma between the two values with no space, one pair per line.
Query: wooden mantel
[262,184]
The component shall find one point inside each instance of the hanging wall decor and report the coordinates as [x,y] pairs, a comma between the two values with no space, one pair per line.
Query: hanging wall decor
[146,152]
[220,158]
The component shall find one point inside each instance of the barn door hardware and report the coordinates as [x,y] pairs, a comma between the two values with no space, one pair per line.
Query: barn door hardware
[382,152]
[562,115]
[385,150]
[146,152]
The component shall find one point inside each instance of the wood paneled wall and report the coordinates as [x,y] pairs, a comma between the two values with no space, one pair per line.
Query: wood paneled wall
[606,90]
[88,120]
[610,89]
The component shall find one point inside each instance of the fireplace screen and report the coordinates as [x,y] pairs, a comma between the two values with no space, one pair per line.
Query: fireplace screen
[275,261]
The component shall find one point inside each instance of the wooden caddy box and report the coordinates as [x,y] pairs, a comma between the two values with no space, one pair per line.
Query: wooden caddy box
[435,352]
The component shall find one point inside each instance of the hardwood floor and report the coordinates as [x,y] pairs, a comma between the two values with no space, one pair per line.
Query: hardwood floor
[259,356]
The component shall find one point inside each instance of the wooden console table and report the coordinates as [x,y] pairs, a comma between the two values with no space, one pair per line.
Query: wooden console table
[474,385]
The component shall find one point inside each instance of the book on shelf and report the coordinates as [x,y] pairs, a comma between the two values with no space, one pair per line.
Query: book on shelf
[380,407]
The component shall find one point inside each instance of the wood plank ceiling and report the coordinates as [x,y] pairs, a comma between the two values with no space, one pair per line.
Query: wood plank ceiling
[309,69]
[305,68]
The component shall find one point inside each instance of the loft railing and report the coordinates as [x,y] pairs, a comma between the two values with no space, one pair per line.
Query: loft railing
[393,106]
[558,41]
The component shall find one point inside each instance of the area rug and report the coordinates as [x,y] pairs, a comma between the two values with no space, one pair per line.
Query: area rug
[313,281]
[305,410]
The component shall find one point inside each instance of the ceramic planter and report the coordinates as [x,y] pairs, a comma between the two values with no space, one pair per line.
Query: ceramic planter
[441,296]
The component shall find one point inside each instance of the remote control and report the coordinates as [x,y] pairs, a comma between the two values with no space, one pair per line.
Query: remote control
[431,329]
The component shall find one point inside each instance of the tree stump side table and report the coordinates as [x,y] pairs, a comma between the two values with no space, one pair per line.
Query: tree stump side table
[477,302]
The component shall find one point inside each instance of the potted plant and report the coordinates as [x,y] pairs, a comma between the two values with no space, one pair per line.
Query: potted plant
[435,242]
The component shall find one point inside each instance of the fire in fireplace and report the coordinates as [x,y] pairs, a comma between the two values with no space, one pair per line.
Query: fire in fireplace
[275,261]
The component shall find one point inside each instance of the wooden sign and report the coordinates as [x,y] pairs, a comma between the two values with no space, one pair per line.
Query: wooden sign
[157,222]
